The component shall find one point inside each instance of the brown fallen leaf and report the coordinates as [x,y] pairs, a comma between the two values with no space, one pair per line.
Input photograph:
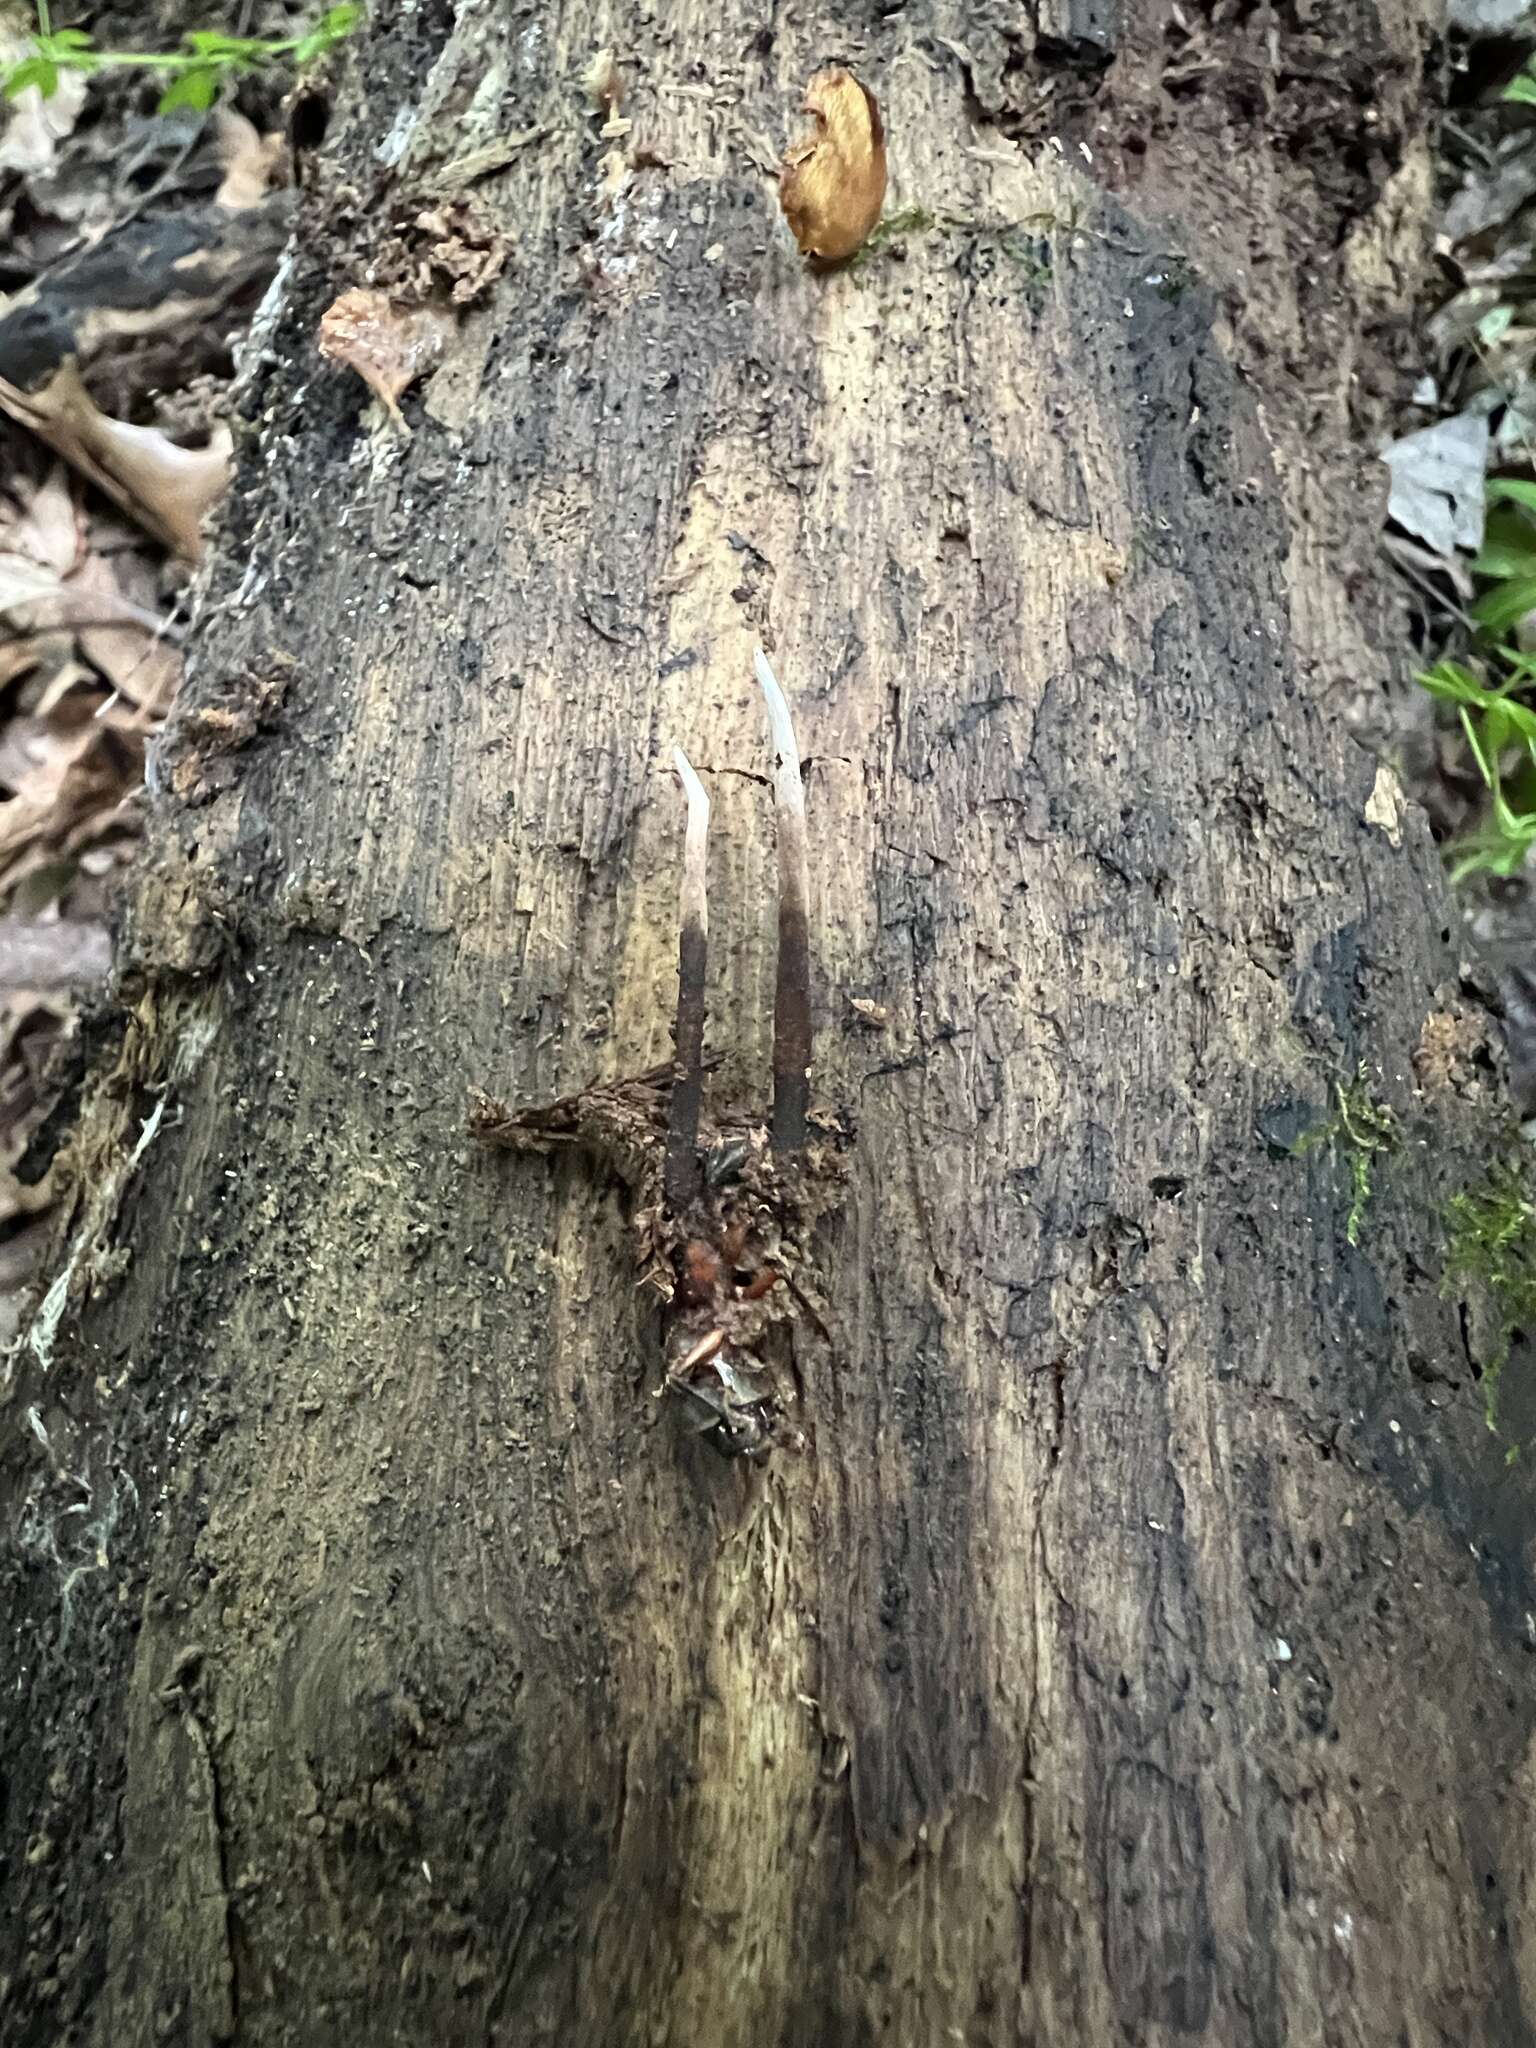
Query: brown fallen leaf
[165,487]
[139,662]
[67,792]
[389,346]
[832,185]
[52,953]
[32,1026]
[251,162]
[48,529]
[18,658]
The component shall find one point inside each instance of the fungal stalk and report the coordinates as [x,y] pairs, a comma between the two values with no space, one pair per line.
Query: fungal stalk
[681,1173]
[792,990]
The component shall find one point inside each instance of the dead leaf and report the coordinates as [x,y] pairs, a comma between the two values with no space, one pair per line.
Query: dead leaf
[136,660]
[69,786]
[55,655]
[32,1026]
[1437,482]
[389,346]
[37,126]
[48,954]
[17,657]
[50,580]
[48,530]
[832,186]
[168,489]
[50,785]
[28,593]
[251,162]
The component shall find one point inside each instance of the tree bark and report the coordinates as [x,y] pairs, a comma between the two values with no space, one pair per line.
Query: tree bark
[1135,1650]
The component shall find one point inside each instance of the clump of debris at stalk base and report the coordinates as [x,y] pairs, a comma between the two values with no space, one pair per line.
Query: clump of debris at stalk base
[724,1205]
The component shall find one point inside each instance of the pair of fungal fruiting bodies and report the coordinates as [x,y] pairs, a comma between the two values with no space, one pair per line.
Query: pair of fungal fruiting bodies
[722,1204]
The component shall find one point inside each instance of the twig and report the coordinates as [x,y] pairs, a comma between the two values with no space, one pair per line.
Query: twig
[792,990]
[681,1175]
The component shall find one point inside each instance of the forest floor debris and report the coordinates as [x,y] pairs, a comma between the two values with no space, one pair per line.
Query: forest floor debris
[93,594]
[1462,510]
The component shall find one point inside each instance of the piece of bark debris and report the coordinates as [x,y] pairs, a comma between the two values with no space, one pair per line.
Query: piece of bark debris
[389,346]
[873,1016]
[194,753]
[1452,1054]
[464,251]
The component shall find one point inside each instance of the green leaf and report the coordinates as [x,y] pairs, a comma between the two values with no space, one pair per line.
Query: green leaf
[1515,489]
[1453,684]
[1520,672]
[1498,730]
[39,71]
[196,89]
[1521,91]
[329,30]
[64,39]
[1500,608]
[1491,852]
[1509,545]
[222,49]
[1495,324]
[1516,721]
[1505,719]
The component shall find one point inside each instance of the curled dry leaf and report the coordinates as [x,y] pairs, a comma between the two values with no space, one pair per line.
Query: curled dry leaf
[251,162]
[832,185]
[120,640]
[166,488]
[66,790]
[389,346]
[48,529]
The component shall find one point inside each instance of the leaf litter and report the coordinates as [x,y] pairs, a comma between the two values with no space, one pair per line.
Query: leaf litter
[92,593]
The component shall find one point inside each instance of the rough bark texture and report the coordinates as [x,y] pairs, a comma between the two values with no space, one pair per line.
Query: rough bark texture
[1137,1650]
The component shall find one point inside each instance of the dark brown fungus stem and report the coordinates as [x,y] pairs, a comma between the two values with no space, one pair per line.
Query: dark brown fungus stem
[681,1170]
[792,991]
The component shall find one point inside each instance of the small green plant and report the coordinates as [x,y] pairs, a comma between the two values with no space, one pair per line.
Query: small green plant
[1521,89]
[1365,1130]
[1495,725]
[1500,728]
[1491,1241]
[205,63]
[905,220]
[1011,239]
